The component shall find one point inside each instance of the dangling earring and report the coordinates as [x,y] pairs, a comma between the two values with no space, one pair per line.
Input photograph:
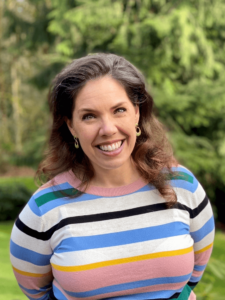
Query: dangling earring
[138,130]
[76,144]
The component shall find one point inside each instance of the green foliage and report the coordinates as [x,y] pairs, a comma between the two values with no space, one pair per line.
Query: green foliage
[13,197]
[178,45]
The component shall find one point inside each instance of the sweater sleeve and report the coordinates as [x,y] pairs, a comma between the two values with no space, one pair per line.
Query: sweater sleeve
[202,231]
[30,253]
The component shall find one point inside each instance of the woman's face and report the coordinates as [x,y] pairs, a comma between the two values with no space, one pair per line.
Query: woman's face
[104,122]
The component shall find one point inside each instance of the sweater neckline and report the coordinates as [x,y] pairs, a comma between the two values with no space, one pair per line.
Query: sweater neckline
[104,191]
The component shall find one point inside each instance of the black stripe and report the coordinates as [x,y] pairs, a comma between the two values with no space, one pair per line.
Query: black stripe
[107,216]
[192,284]
[193,212]
[89,218]
[175,296]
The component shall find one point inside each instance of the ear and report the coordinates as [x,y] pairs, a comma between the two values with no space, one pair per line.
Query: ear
[70,127]
[137,113]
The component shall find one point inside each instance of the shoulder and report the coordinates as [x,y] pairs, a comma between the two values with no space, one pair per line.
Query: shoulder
[187,187]
[53,193]
[184,179]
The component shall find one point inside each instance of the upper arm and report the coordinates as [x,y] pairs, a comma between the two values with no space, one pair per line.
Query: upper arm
[30,253]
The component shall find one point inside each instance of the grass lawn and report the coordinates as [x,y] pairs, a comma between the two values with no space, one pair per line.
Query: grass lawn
[9,289]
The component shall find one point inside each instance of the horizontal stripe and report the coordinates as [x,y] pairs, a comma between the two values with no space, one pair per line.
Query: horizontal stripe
[63,200]
[182,176]
[137,294]
[204,249]
[130,286]
[76,258]
[121,261]
[205,241]
[122,238]
[34,291]
[200,268]
[28,255]
[57,293]
[202,232]
[195,279]
[22,239]
[30,274]
[49,187]
[91,218]
[193,212]
[105,216]
[116,274]
[192,284]
[47,197]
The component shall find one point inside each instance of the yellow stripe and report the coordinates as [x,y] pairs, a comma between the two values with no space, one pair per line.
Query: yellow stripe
[204,249]
[122,260]
[30,274]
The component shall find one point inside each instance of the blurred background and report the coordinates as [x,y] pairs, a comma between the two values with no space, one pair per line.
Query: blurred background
[180,48]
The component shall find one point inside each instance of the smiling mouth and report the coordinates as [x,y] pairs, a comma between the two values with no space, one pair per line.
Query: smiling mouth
[111,147]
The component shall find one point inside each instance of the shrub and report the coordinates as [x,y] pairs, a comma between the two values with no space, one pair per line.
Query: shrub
[13,197]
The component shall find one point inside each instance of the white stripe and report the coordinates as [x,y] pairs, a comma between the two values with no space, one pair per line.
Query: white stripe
[29,242]
[188,198]
[120,225]
[207,240]
[202,218]
[29,267]
[110,253]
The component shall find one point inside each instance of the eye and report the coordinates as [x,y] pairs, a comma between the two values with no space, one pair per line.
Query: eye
[121,109]
[88,117]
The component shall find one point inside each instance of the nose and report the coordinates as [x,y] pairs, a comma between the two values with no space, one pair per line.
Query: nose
[107,127]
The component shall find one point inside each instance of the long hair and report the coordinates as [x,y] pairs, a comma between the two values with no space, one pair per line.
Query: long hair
[152,154]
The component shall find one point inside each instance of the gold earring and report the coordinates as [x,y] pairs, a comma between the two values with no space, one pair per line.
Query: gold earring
[138,130]
[76,144]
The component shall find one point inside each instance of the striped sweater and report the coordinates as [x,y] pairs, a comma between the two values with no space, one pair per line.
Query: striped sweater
[112,243]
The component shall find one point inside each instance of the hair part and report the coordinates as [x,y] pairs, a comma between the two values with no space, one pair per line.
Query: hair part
[152,154]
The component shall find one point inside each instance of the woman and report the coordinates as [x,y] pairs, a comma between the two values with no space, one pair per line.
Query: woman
[118,218]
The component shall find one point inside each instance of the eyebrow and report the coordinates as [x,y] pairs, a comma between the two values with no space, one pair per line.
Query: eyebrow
[92,110]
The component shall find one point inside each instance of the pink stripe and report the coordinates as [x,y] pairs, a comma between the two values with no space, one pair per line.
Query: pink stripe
[55,283]
[203,257]
[155,288]
[100,191]
[192,296]
[30,282]
[197,273]
[124,273]
[37,296]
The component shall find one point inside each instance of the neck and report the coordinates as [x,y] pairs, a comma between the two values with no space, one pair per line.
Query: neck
[116,177]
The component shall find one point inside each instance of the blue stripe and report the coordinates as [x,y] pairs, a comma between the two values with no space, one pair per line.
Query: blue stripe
[200,268]
[122,238]
[149,295]
[40,211]
[191,187]
[35,292]
[45,297]
[54,188]
[29,255]
[33,206]
[195,279]
[58,294]
[130,286]
[202,232]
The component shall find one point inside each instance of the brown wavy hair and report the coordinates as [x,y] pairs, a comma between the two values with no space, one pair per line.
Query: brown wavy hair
[152,154]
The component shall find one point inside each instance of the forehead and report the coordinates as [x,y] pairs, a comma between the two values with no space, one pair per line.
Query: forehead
[101,91]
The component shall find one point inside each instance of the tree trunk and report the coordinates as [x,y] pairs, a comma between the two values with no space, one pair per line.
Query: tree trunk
[15,84]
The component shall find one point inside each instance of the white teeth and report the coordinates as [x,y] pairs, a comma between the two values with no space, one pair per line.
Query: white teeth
[111,147]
